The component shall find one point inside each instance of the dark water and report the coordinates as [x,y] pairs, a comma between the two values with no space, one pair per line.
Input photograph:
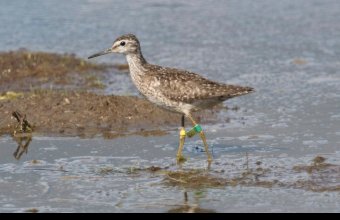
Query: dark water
[289,51]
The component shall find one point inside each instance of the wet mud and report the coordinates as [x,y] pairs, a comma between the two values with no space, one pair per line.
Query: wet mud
[25,70]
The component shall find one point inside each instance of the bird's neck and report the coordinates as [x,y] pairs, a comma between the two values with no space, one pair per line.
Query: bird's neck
[136,61]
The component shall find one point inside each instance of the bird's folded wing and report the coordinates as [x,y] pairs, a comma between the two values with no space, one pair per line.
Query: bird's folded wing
[189,87]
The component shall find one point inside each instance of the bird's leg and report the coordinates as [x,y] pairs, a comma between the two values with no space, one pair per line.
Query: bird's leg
[182,135]
[202,135]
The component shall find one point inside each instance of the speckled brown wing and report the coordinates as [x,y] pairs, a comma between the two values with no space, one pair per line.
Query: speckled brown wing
[183,86]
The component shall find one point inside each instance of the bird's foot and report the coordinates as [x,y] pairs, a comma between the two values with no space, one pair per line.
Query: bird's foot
[181,159]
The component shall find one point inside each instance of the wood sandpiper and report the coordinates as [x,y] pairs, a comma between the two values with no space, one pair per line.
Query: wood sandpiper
[176,90]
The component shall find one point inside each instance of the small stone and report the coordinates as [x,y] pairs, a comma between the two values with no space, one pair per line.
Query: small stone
[67,101]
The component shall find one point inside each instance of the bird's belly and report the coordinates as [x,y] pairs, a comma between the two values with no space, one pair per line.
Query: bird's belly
[154,96]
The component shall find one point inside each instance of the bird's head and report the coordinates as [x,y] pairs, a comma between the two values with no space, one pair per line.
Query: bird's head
[125,44]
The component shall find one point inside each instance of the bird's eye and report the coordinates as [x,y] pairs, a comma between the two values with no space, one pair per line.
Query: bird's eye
[122,43]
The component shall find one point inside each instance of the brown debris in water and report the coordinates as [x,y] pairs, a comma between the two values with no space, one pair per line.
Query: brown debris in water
[319,160]
[299,61]
[32,210]
[317,165]
[205,179]
[312,185]
[322,177]
[194,179]
[130,170]
[198,179]
[190,208]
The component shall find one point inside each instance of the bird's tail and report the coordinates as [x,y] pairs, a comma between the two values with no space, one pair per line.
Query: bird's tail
[231,91]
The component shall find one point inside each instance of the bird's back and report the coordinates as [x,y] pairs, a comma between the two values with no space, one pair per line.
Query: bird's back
[191,88]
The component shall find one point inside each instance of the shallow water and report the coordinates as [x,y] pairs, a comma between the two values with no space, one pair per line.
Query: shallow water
[288,51]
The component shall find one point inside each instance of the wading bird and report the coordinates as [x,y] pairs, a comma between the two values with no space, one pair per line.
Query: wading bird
[174,89]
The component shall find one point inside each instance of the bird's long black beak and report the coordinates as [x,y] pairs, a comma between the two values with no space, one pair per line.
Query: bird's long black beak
[109,50]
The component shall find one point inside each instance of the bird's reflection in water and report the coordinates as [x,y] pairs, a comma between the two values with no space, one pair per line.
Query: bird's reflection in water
[188,207]
[23,141]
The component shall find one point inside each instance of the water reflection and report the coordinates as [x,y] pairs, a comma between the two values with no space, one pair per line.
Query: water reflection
[23,141]
[188,207]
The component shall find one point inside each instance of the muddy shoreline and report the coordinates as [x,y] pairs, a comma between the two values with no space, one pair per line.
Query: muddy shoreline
[84,114]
